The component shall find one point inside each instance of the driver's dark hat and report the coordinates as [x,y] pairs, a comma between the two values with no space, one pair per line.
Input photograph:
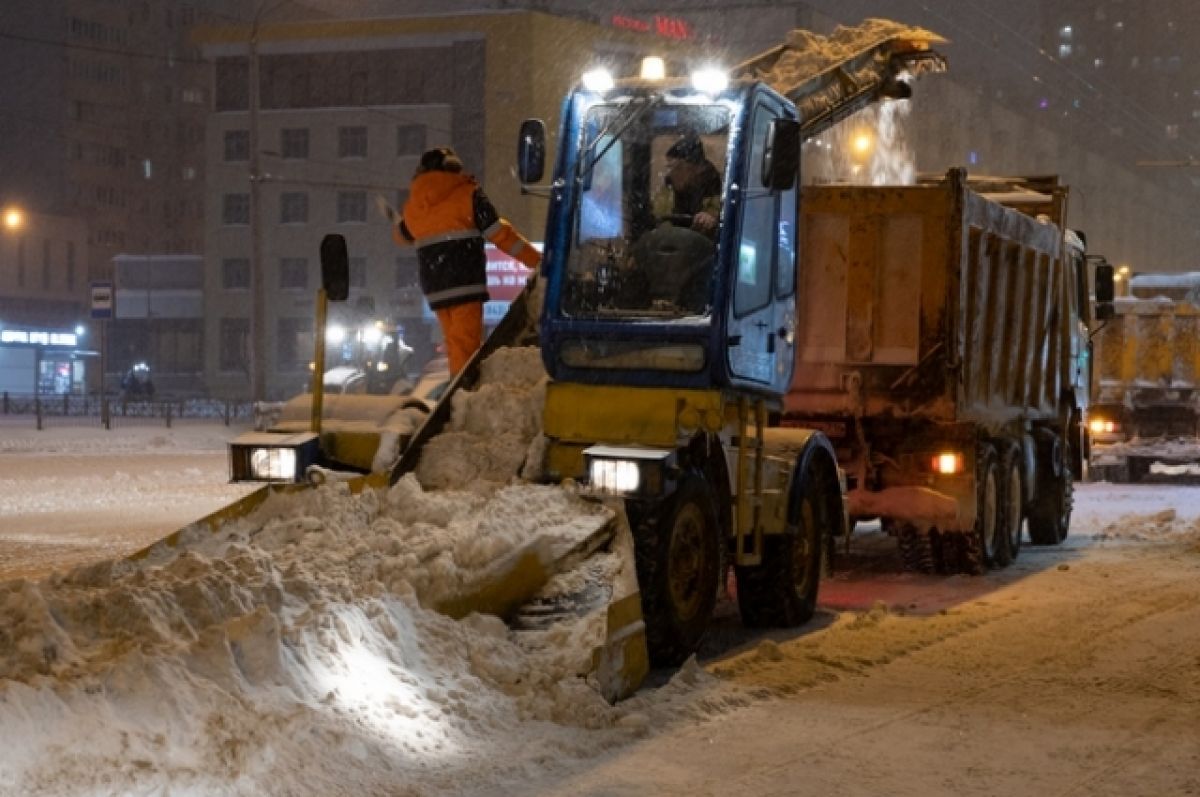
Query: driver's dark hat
[441,159]
[689,148]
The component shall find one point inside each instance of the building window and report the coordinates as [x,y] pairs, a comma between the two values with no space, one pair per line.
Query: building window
[351,206]
[293,142]
[235,273]
[237,145]
[235,209]
[46,264]
[358,272]
[20,262]
[410,139]
[293,207]
[70,265]
[352,142]
[406,270]
[294,343]
[293,273]
[235,334]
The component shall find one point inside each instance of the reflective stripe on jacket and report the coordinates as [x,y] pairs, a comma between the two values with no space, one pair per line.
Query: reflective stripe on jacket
[447,217]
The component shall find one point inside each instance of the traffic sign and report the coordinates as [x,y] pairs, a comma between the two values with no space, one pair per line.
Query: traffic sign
[102,300]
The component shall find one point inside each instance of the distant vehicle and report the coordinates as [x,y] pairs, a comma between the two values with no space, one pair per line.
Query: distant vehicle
[136,383]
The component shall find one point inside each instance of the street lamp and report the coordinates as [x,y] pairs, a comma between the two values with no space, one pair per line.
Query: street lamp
[14,218]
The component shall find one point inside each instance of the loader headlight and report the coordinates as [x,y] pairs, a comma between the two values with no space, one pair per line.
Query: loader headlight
[710,80]
[627,471]
[1103,426]
[271,457]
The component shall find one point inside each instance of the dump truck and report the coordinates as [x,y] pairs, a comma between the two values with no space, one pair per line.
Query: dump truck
[1146,400]
[667,395]
[943,347]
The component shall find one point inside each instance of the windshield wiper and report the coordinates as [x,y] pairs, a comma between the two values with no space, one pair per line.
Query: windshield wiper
[630,114]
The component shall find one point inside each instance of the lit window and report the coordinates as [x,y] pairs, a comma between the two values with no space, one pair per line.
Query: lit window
[1064,51]
[1066,32]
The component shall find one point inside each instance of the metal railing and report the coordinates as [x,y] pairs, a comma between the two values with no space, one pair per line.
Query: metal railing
[86,410]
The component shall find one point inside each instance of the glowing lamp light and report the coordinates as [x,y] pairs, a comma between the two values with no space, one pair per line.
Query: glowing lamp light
[710,80]
[335,334]
[371,335]
[598,80]
[653,68]
[862,143]
[1102,426]
[947,463]
[14,219]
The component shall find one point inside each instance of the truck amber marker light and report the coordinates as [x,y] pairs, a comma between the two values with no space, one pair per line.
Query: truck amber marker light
[947,463]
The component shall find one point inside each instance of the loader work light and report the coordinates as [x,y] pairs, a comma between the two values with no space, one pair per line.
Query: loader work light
[710,80]
[1103,426]
[598,80]
[271,457]
[653,68]
[626,471]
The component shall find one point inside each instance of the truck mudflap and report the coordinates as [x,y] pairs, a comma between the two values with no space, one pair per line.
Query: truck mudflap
[922,507]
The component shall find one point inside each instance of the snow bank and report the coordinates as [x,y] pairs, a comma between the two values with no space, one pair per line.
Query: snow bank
[293,651]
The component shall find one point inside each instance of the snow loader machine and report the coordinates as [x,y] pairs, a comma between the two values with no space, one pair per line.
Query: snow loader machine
[1145,413]
[663,402]
[945,349]
[670,344]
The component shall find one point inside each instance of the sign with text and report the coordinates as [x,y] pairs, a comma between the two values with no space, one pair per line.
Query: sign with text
[102,300]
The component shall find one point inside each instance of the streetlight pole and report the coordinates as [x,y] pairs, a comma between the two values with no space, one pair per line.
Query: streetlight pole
[258,344]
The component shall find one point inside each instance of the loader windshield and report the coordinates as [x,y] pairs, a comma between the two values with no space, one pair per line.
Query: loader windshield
[647,209]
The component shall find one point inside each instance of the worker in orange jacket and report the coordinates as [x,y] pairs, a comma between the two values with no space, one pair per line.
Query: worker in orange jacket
[447,216]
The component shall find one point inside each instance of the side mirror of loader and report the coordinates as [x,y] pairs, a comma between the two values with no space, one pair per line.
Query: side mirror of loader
[781,157]
[335,268]
[1104,291]
[531,151]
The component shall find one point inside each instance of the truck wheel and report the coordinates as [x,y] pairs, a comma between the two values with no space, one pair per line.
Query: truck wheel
[1012,502]
[781,592]
[986,544]
[1050,512]
[677,554]
[920,551]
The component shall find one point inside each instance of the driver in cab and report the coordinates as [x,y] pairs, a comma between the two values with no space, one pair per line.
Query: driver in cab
[692,187]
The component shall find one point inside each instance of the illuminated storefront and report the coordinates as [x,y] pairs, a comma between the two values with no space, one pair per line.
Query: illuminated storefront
[43,361]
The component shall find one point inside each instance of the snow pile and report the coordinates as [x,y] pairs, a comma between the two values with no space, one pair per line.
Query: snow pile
[496,430]
[1162,526]
[294,650]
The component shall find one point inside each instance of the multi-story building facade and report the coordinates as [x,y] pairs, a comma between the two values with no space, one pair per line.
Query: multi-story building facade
[346,108]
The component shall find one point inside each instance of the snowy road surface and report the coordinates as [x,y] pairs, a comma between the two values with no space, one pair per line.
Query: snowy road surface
[293,658]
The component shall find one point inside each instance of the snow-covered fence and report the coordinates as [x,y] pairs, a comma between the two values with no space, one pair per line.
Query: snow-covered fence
[68,409]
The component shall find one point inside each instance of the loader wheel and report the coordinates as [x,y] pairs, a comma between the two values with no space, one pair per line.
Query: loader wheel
[1012,503]
[677,554]
[781,592]
[988,535]
[1050,512]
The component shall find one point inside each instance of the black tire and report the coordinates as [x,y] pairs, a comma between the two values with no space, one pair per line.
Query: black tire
[918,552]
[986,536]
[1012,502]
[678,559]
[781,592]
[1050,512]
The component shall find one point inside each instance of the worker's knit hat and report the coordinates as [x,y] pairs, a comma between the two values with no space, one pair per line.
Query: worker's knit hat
[441,159]
[689,147]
